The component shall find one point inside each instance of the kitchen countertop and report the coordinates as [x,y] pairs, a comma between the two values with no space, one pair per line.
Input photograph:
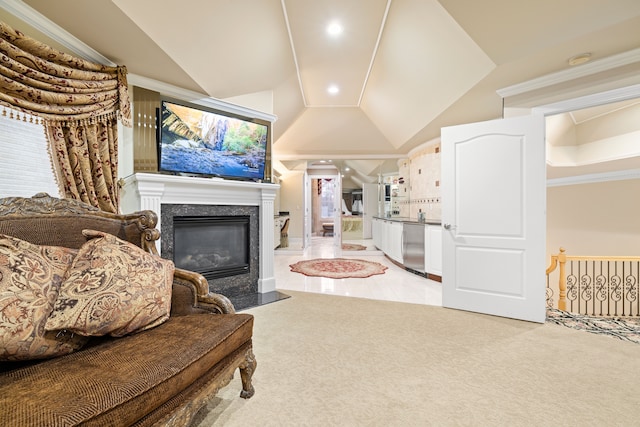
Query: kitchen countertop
[404,219]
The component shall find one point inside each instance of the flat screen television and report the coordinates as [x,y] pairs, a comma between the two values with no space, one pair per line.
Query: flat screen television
[212,143]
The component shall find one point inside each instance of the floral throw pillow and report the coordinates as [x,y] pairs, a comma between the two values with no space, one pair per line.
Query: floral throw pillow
[113,287]
[30,279]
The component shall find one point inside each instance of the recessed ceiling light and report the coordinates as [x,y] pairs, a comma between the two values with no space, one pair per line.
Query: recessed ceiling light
[580,59]
[333,89]
[334,29]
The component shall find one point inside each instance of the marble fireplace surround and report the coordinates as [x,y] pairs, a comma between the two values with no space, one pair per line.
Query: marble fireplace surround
[232,286]
[142,191]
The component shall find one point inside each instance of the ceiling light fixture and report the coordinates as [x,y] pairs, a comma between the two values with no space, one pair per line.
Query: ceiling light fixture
[580,59]
[334,29]
[333,89]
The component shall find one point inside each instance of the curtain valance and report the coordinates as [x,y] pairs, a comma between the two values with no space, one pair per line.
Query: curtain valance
[79,102]
[43,81]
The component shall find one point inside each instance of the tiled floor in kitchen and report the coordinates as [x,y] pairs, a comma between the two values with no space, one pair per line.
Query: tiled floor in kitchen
[396,284]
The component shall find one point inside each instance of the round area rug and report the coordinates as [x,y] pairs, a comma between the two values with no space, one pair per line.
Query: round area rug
[338,268]
[353,247]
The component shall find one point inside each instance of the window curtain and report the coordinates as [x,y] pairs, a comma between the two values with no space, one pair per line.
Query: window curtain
[79,102]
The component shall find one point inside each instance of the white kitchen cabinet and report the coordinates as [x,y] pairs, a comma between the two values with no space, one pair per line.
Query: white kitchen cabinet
[387,236]
[433,249]
[394,243]
[376,232]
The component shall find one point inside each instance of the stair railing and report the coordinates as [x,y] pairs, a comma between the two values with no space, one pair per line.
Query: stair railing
[595,286]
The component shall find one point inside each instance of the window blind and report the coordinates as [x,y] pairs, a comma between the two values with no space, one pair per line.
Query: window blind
[25,168]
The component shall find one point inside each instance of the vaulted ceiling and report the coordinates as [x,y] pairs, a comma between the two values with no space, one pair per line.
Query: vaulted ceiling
[402,68]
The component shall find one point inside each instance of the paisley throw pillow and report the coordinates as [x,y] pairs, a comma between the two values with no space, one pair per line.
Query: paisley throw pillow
[113,287]
[30,279]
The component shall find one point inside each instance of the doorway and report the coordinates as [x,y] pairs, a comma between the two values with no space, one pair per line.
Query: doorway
[593,166]
[323,208]
[323,203]
[460,258]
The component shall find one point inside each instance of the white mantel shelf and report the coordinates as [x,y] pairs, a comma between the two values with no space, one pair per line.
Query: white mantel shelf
[148,191]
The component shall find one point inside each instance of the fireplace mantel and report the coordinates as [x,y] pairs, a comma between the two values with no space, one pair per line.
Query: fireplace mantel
[149,191]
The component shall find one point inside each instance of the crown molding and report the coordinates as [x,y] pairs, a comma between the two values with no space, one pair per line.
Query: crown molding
[595,177]
[169,90]
[615,95]
[302,157]
[590,68]
[43,24]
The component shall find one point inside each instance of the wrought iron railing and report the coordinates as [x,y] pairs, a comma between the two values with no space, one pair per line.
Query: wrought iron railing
[596,286]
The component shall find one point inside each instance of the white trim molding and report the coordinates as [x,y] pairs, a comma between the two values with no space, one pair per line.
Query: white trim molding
[606,97]
[595,177]
[588,69]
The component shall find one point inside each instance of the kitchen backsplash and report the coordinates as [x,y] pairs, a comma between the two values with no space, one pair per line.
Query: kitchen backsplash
[423,184]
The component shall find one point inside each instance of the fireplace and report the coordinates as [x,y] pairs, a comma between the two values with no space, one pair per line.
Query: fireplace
[220,242]
[172,196]
[214,246]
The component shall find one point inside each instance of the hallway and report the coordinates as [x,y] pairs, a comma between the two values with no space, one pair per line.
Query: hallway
[396,284]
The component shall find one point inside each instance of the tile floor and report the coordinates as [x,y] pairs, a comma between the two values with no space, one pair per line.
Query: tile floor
[396,284]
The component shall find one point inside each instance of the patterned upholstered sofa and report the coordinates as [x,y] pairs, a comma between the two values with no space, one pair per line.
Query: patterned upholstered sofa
[156,370]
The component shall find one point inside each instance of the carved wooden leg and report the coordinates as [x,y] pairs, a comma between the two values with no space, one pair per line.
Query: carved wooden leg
[247,369]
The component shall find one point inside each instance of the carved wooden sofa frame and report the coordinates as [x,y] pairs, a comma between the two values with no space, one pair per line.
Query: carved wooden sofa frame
[44,220]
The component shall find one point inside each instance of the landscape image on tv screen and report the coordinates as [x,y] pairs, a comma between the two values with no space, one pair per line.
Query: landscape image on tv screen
[205,143]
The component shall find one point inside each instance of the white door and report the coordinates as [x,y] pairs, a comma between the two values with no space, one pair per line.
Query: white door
[369,208]
[494,218]
[306,211]
[337,215]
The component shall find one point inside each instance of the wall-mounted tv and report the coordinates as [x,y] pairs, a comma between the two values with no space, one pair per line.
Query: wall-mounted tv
[192,140]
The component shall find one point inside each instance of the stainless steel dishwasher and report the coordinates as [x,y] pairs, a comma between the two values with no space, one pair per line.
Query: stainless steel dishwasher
[413,246]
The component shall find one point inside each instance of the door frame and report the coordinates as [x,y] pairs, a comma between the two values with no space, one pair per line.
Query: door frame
[368,201]
[306,209]
[337,208]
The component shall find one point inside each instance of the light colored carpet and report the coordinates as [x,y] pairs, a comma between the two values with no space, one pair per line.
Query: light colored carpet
[339,361]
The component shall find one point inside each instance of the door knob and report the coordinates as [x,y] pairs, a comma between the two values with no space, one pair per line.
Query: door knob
[448,226]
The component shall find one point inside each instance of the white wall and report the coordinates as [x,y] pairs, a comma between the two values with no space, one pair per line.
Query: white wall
[291,199]
[594,219]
